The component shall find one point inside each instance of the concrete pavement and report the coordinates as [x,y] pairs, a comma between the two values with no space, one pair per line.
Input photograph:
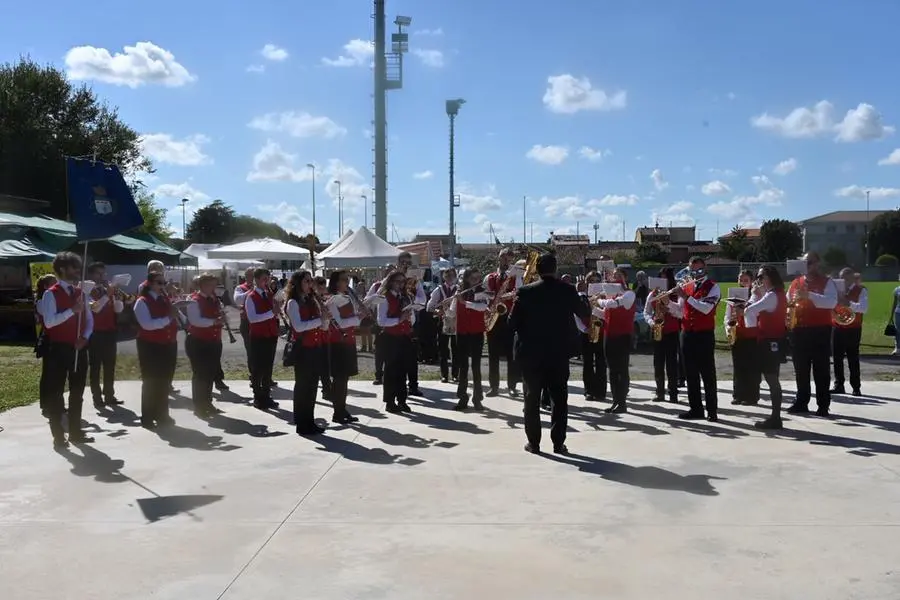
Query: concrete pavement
[440,505]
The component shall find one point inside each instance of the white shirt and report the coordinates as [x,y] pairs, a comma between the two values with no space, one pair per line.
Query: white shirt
[479,302]
[420,292]
[437,296]
[674,308]
[240,296]
[708,304]
[625,301]
[52,318]
[142,314]
[861,306]
[385,321]
[768,303]
[297,323]
[250,309]
[729,312]
[352,321]
[195,317]
[826,300]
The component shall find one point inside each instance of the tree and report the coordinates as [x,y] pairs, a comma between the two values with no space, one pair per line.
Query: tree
[884,235]
[155,218]
[650,253]
[835,257]
[212,224]
[43,119]
[779,240]
[737,246]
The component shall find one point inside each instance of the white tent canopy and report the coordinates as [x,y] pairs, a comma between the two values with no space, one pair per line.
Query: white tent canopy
[204,263]
[362,249]
[335,246]
[261,249]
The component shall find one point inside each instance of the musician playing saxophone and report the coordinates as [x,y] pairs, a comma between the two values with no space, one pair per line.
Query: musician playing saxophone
[846,338]
[665,313]
[743,350]
[500,338]
[814,296]
[619,317]
[204,344]
[594,372]
[103,344]
[449,362]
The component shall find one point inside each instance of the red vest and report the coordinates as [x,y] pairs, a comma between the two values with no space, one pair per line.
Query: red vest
[209,309]
[807,313]
[348,335]
[67,331]
[773,325]
[105,318]
[311,338]
[494,284]
[694,320]
[853,296]
[744,332]
[244,287]
[468,321]
[671,323]
[267,328]
[620,320]
[159,308]
[394,312]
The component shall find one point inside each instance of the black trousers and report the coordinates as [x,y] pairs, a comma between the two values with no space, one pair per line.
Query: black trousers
[306,381]
[470,347]
[618,354]
[245,338]
[397,349]
[846,342]
[102,349]
[58,368]
[500,345]
[262,359]
[379,354]
[769,356]
[812,350]
[157,363]
[594,373]
[682,376]
[412,364]
[553,376]
[699,349]
[206,362]
[747,372]
[665,365]
[447,351]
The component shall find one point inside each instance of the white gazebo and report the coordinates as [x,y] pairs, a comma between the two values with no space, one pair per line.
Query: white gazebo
[265,249]
[330,250]
[204,263]
[361,250]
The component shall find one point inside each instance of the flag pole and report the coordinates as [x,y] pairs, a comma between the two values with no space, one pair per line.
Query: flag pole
[85,300]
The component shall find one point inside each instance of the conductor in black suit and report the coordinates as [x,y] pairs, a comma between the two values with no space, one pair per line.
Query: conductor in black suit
[543,319]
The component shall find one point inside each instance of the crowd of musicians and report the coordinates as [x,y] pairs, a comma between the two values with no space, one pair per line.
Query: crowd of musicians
[509,309]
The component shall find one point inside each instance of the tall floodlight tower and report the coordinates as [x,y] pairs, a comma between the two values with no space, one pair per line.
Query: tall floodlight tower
[388,76]
[452,111]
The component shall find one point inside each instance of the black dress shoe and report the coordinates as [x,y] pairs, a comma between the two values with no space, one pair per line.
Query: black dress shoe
[222,386]
[165,421]
[415,392]
[857,392]
[737,401]
[838,389]
[823,412]
[78,437]
[273,384]
[391,408]
[769,424]
[476,404]
[60,442]
[310,430]
[712,417]
[532,449]
[617,408]
[404,407]
[377,381]
[461,405]
[691,415]
[148,423]
[560,449]
[798,409]
[492,393]
[444,379]
[113,401]
[513,392]
[344,419]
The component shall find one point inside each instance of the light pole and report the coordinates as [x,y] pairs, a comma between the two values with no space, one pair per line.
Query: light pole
[867,229]
[452,110]
[365,201]
[340,209]
[184,202]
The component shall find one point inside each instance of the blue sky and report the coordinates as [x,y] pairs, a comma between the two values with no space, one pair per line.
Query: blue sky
[713,113]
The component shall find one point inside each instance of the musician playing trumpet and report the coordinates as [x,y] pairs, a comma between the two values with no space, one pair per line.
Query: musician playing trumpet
[593,374]
[500,338]
[663,315]
[342,360]
[396,317]
[618,314]
[744,345]
[447,341]
[846,337]
[203,345]
[470,325]
[106,306]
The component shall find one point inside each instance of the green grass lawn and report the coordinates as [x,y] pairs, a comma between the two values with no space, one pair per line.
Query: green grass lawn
[873,339]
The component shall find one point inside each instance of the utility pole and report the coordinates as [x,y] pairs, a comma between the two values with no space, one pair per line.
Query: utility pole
[596,228]
[452,107]
[524,211]
[184,202]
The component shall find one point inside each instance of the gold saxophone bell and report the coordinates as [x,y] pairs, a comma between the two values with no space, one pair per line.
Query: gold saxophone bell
[732,335]
[843,316]
[501,309]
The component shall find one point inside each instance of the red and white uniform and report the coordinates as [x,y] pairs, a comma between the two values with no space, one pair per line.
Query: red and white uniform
[240,297]
[306,324]
[470,314]
[768,315]
[203,318]
[261,314]
[618,314]
[700,306]
[495,281]
[154,316]
[744,331]
[60,321]
[345,323]
[858,296]
[392,319]
[814,311]
[105,311]
[672,316]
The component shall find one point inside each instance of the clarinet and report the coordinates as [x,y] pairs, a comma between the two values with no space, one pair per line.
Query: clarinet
[231,338]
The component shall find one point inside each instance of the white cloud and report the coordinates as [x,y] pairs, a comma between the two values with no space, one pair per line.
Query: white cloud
[680,206]
[430,58]
[548,155]
[357,53]
[423,175]
[274,53]
[568,207]
[892,159]
[567,94]
[741,209]
[614,200]
[859,192]
[300,125]
[715,188]
[179,191]
[288,216]
[144,63]
[674,215]
[863,123]
[659,181]
[272,163]
[353,185]
[593,155]
[438,31]
[723,172]
[785,167]
[256,69]
[164,148]
[478,201]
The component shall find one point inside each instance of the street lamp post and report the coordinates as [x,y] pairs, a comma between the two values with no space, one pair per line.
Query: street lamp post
[452,110]
[184,202]
[340,209]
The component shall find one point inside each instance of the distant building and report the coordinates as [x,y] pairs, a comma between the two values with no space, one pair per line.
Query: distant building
[752,235]
[841,229]
[679,242]
[570,240]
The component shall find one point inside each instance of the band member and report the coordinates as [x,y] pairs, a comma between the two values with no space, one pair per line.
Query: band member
[342,345]
[204,344]
[767,316]
[663,314]
[593,355]
[157,348]
[500,338]
[40,345]
[541,320]
[376,330]
[698,325]
[68,326]
[618,315]
[447,342]
[846,338]
[308,331]
[811,298]
[396,318]
[154,266]
[744,347]
[364,332]
[264,333]
[470,326]
[241,291]
[102,349]
[320,289]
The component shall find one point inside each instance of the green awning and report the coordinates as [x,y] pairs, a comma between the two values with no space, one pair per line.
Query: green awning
[24,248]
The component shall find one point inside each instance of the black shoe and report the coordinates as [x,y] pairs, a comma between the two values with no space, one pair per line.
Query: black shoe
[673,399]
[838,389]
[98,404]
[377,381]
[823,412]
[532,449]
[404,407]
[857,392]
[617,408]
[492,393]
[798,409]
[78,437]
[477,405]
[514,392]
[691,415]
[113,401]
[311,429]
[444,380]
[712,417]
[737,401]
[165,421]
[560,449]
[589,398]
[415,391]
[222,386]
[391,408]
[345,419]
[273,384]
[148,423]
[461,405]
[659,398]
[546,405]
[60,442]
[770,423]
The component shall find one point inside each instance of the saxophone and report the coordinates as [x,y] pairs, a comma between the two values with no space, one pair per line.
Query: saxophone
[793,306]
[660,306]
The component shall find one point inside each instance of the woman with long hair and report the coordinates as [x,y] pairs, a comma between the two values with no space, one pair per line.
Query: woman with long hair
[768,315]
[342,344]
[665,313]
[470,327]
[396,318]
[308,330]
[743,350]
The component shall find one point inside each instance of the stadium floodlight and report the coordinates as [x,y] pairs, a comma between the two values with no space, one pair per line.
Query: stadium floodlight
[402,21]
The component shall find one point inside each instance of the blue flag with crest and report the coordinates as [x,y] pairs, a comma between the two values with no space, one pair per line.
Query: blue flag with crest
[100,202]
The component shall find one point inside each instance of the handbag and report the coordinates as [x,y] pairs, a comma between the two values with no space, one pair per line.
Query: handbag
[890,330]
[289,357]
